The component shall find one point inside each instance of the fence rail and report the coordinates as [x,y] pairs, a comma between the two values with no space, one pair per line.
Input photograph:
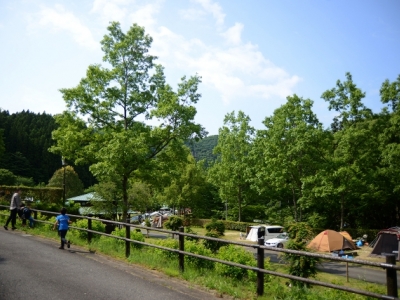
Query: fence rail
[390,264]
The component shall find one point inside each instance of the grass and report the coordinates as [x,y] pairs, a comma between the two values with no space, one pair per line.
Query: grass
[275,288]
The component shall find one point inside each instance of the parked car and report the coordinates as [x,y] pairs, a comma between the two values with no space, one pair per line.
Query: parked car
[278,241]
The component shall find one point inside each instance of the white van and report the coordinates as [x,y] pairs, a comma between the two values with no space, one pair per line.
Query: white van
[266,231]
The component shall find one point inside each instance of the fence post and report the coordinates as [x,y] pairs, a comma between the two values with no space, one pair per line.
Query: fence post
[391,275]
[128,236]
[181,248]
[260,265]
[35,214]
[89,225]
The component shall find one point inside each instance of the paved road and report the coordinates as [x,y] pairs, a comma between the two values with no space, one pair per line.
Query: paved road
[34,268]
[369,274]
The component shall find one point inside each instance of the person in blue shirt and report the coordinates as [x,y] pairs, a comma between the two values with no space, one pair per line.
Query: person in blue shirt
[62,221]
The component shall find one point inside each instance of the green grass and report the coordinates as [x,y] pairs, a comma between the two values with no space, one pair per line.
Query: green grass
[276,288]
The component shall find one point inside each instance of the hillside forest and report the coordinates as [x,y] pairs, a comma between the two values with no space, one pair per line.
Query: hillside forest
[291,170]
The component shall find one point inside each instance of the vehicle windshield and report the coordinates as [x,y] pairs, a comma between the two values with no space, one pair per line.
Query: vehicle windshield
[282,236]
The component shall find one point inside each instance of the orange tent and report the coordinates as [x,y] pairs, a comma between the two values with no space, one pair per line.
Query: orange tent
[330,240]
[346,235]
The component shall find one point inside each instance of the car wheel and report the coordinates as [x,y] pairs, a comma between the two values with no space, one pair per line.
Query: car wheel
[279,245]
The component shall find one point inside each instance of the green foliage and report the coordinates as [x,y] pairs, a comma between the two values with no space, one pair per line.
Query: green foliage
[303,266]
[216,226]
[214,246]
[123,146]
[238,226]
[73,185]
[24,181]
[7,177]
[173,223]
[167,243]
[228,173]
[199,249]
[237,255]
[83,223]
[137,236]
[191,231]
[203,148]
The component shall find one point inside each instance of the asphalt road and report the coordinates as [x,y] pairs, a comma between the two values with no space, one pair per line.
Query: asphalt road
[34,268]
[356,271]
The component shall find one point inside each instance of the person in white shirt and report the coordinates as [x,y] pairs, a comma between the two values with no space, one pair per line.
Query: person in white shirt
[15,204]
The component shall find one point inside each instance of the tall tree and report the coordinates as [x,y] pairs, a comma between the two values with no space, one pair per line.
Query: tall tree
[288,150]
[108,121]
[233,148]
[73,185]
[342,179]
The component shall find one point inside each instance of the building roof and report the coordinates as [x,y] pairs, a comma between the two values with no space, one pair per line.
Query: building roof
[82,198]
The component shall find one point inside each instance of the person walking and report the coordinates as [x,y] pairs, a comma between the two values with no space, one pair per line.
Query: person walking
[63,221]
[15,204]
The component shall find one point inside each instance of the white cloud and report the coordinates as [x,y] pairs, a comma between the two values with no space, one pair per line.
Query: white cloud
[145,16]
[213,8]
[60,19]
[110,10]
[236,70]
[192,14]
[233,34]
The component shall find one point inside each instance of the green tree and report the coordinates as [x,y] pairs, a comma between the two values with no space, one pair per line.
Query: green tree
[290,149]
[108,121]
[7,177]
[344,177]
[304,266]
[73,185]
[233,148]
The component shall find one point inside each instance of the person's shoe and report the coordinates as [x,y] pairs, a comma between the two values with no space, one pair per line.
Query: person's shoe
[68,244]
[5,227]
[14,228]
[62,248]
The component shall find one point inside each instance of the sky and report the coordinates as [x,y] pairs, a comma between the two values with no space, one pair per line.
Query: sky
[251,55]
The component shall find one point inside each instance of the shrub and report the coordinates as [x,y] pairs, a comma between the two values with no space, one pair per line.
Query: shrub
[189,238]
[199,249]
[303,266]
[217,226]
[167,243]
[213,245]
[83,223]
[238,255]
[173,223]
[137,236]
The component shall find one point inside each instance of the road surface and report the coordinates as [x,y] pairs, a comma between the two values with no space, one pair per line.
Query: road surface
[34,268]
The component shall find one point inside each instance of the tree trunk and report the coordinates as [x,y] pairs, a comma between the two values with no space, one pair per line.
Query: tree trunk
[294,204]
[125,198]
[341,212]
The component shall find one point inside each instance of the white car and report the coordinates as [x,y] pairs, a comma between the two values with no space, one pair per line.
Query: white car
[278,241]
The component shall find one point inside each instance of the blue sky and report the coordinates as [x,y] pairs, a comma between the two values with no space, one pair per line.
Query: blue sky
[251,54]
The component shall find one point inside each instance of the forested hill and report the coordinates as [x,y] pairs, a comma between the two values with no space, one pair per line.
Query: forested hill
[203,149]
[25,138]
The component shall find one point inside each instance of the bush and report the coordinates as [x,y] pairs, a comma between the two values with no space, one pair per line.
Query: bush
[189,238]
[217,226]
[213,246]
[199,249]
[83,223]
[167,243]
[303,266]
[137,236]
[173,223]
[238,255]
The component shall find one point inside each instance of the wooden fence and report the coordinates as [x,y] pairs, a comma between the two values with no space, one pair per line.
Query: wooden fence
[390,264]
